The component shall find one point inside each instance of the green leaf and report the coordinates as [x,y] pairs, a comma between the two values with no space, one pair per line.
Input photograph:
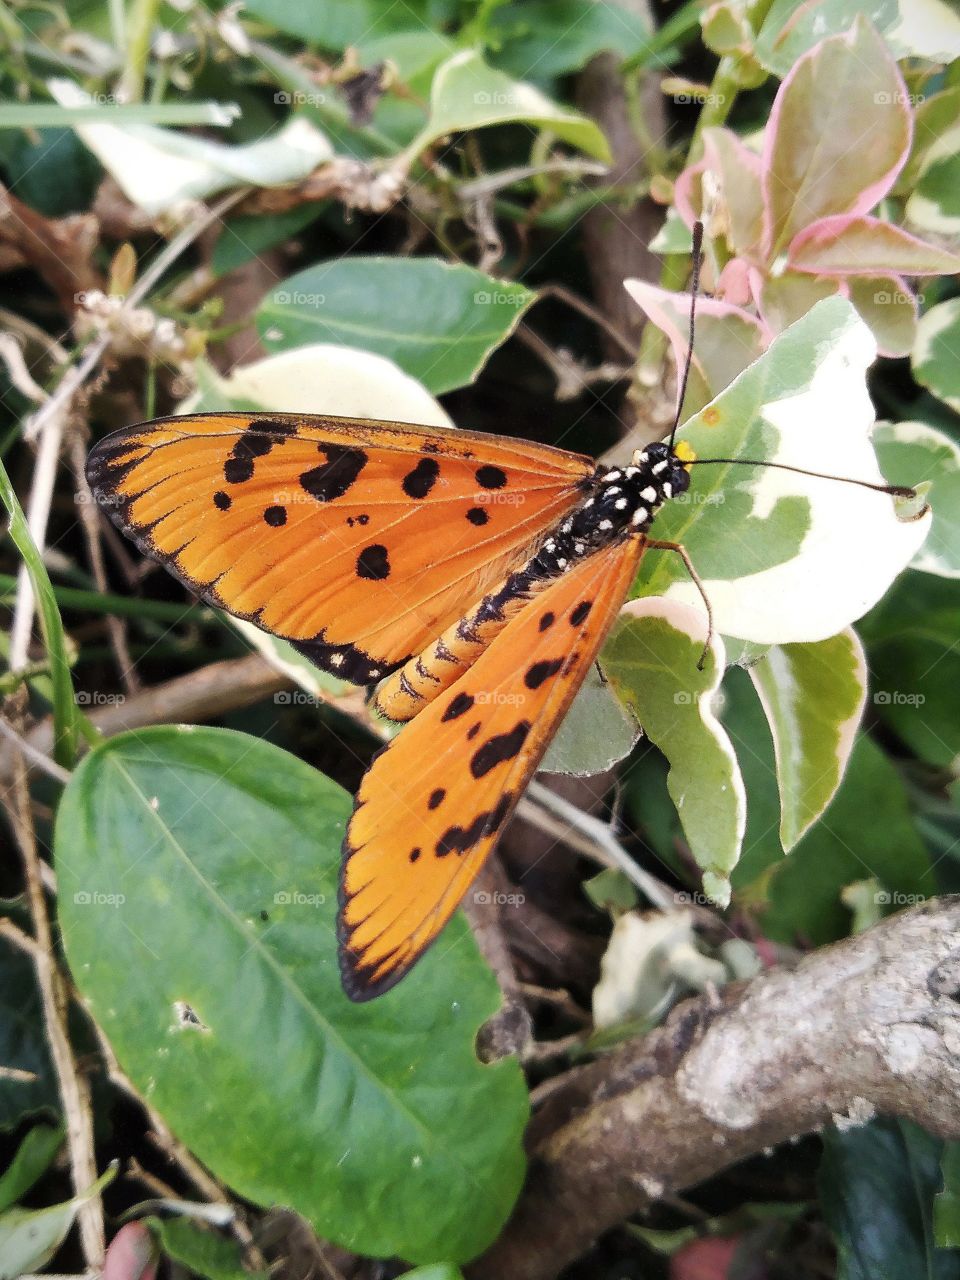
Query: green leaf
[200,1250]
[838,135]
[334,24]
[30,1237]
[915,666]
[935,204]
[784,557]
[813,697]
[443,1271]
[245,237]
[876,1187]
[946,1204]
[33,1158]
[595,734]
[934,364]
[651,659]
[28,1085]
[929,456]
[198,873]
[549,38]
[867,831]
[65,725]
[469,94]
[438,322]
[913,28]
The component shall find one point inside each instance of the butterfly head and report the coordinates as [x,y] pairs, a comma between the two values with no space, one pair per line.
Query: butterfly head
[660,473]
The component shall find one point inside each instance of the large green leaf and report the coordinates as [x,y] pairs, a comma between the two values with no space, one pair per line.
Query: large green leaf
[198,884]
[469,94]
[333,24]
[876,1190]
[813,696]
[438,322]
[651,659]
[866,832]
[785,557]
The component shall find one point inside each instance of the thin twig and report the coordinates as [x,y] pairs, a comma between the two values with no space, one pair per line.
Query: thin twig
[33,755]
[591,837]
[73,1088]
[48,423]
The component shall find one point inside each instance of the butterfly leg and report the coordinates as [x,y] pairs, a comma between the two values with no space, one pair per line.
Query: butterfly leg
[681,551]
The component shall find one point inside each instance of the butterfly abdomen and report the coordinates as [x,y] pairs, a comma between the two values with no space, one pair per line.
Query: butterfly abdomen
[618,503]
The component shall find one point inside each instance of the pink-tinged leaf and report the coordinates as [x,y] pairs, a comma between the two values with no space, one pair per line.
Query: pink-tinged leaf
[845,246]
[838,135]
[723,187]
[733,284]
[933,118]
[887,304]
[784,299]
[704,1259]
[132,1254]
[728,338]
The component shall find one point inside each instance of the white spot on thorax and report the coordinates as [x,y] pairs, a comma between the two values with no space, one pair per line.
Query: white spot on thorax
[649,494]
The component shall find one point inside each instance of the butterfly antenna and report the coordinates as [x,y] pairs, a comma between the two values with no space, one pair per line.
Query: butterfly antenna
[694,289]
[894,490]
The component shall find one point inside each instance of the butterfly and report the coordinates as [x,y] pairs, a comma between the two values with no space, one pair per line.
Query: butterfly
[472,578]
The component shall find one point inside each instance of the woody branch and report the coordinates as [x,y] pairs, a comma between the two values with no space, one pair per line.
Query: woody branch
[868,1025]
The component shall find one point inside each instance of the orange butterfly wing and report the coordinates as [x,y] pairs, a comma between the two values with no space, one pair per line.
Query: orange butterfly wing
[359,541]
[432,805]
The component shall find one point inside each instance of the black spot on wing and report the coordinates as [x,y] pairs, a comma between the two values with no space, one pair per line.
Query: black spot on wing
[275,517]
[414,854]
[547,621]
[580,613]
[255,442]
[460,704]
[478,516]
[418,482]
[473,731]
[489,477]
[498,749]
[540,672]
[346,660]
[332,479]
[488,823]
[222,501]
[373,563]
[437,798]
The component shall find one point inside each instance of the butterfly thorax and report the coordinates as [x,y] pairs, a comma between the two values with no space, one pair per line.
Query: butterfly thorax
[620,501]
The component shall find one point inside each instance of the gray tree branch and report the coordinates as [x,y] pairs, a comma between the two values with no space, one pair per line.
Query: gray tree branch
[869,1025]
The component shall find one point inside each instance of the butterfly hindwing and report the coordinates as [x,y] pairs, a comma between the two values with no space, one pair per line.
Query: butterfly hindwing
[434,802]
[359,541]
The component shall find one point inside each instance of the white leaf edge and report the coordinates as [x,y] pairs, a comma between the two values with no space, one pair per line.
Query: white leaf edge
[158,169]
[782,671]
[693,623]
[855,545]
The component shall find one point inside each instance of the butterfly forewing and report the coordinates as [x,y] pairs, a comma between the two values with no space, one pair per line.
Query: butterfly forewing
[360,541]
[434,802]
